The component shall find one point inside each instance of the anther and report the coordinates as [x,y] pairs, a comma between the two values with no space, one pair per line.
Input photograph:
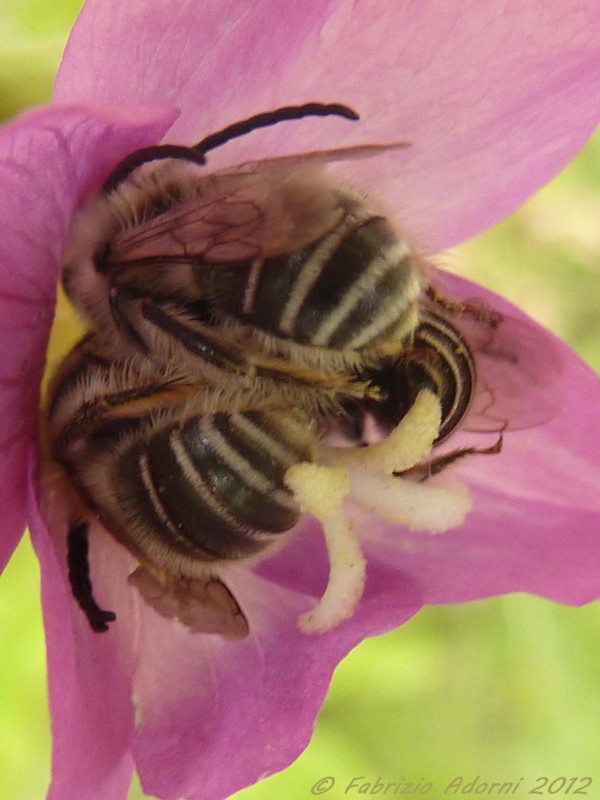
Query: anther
[321,491]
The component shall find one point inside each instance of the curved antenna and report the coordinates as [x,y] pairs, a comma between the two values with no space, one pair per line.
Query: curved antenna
[267,118]
[196,153]
[146,154]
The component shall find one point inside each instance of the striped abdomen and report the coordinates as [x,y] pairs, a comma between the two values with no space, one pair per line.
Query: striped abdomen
[451,370]
[438,358]
[351,288]
[211,488]
[162,473]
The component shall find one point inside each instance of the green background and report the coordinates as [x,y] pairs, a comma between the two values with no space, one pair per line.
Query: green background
[507,689]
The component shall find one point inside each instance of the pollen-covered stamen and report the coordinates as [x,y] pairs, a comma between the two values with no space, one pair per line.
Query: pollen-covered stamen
[409,442]
[321,491]
[417,506]
[370,477]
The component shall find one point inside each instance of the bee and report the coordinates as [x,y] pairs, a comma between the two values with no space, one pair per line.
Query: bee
[235,319]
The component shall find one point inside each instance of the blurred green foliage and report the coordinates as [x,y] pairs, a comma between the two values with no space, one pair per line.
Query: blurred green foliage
[32,38]
[506,688]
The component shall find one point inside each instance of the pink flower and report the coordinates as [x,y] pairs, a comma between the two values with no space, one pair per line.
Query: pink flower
[493,102]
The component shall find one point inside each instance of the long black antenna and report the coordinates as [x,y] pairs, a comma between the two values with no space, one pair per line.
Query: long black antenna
[153,153]
[196,153]
[267,118]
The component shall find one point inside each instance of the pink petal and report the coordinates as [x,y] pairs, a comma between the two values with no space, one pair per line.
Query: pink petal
[493,104]
[494,99]
[217,715]
[89,675]
[49,159]
[200,702]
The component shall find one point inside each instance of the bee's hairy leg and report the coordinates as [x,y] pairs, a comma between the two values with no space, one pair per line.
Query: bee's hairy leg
[124,324]
[109,409]
[197,338]
[206,343]
[474,309]
[79,577]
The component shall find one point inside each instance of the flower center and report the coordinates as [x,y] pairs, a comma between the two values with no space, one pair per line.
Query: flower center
[370,477]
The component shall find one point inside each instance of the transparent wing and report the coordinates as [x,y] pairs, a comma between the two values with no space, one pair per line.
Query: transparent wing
[203,605]
[315,157]
[258,209]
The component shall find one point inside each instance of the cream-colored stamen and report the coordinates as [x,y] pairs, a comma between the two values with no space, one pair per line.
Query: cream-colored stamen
[409,442]
[321,491]
[371,476]
[418,506]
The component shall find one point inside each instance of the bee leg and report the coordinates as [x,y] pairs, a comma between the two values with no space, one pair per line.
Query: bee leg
[198,340]
[204,342]
[435,465]
[474,309]
[79,577]
[123,323]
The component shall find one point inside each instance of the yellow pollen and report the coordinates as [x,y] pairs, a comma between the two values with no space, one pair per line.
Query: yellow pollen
[370,476]
[433,508]
[318,490]
[321,491]
[409,442]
